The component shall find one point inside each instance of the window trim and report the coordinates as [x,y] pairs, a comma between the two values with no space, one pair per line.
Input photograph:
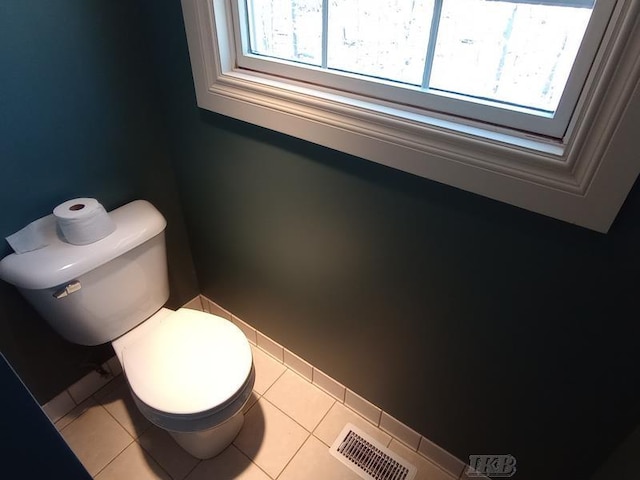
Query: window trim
[428,98]
[583,179]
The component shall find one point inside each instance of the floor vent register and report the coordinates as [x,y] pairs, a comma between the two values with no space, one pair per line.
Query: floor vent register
[368,458]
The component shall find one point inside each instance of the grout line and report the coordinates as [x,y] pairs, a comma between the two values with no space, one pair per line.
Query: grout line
[274,382]
[79,416]
[295,454]
[322,420]
[113,459]
[148,453]
[116,420]
[276,344]
[93,395]
[287,415]
[333,399]
[194,467]
[125,428]
[270,355]
[247,412]
[72,399]
[311,383]
[244,455]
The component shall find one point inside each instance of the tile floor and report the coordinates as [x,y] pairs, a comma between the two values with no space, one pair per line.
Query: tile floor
[289,425]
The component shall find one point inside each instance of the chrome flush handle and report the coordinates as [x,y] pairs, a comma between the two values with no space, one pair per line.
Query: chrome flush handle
[68,289]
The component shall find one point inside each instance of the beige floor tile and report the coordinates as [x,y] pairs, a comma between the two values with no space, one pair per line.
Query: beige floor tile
[273,443]
[426,469]
[299,399]
[133,463]
[231,464]
[75,413]
[108,388]
[269,437]
[119,403]
[339,415]
[59,406]
[96,438]
[314,462]
[267,370]
[167,453]
[253,398]
[89,384]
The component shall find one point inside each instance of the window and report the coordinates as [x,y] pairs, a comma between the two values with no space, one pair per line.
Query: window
[506,62]
[535,131]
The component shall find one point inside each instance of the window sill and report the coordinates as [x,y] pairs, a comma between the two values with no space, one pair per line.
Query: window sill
[582,180]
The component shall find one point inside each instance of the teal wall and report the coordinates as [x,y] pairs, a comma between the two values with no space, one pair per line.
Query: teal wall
[77,118]
[487,328]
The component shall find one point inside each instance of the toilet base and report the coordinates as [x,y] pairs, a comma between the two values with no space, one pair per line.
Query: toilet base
[209,443]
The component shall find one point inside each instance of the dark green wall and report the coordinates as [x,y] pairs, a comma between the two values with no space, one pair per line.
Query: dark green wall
[487,328]
[77,118]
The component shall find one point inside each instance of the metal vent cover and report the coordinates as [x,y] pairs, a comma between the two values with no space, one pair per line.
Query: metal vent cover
[368,458]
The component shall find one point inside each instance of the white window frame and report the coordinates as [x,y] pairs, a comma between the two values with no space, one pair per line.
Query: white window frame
[582,179]
[553,125]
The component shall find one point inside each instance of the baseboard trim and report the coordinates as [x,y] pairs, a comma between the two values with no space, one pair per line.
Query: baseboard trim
[350,399]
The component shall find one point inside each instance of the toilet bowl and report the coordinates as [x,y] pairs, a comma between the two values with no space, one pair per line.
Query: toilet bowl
[189,372]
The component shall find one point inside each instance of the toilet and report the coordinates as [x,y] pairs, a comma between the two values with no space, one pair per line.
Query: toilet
[189,372]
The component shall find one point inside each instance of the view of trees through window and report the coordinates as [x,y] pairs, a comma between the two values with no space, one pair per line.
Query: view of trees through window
[509,52]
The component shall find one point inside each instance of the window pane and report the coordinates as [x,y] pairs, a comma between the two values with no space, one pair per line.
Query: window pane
[507,51]
[286,29]
[380,38]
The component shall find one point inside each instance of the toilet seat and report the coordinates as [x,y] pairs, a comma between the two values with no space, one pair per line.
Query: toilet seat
[202,421]
[190,365]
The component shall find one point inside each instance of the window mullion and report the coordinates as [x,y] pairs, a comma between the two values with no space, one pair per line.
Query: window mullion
[431,47]
[251,24]
[325,33]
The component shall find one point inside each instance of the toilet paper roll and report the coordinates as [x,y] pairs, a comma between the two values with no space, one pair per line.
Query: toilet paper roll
[83,220]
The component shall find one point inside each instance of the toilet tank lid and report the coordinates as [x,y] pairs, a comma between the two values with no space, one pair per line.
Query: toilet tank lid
[60,262]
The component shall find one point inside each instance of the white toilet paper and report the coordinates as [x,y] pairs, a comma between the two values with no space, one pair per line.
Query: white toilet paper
[33,236]
[83,220]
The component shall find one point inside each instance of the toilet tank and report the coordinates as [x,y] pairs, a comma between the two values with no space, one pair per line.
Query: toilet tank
[92,294]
